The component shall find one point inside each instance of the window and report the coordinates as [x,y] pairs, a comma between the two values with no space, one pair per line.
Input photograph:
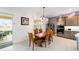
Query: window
[5,30]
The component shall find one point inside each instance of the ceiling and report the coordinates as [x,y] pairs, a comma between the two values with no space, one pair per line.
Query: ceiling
[37,11]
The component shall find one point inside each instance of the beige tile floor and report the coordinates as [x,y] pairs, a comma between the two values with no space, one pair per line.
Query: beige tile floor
[59,44]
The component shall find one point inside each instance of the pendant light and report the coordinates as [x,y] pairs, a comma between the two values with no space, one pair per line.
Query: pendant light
[43,16]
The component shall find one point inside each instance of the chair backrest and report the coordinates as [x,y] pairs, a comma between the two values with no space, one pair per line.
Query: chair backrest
[51,32]
[40,30]
[36,31]
[31,40]
[47,35]
[48,31]
[30,36]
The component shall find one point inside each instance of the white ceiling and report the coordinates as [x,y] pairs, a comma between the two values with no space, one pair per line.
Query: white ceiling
[37,11]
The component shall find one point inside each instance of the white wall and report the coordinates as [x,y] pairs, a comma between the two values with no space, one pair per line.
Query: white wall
[20,32]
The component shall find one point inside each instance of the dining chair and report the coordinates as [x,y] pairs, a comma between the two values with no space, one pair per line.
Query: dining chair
[51,35]
[45,40]
[47,37]
[35,34]
[31,40]
[30,35]
[40,30]
[36,31]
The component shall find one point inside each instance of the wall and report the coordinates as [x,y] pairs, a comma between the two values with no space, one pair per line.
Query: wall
[20,32]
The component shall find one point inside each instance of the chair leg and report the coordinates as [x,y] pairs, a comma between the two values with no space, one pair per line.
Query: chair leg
[49,41]
[52,39]
[45,44]
[29,43]
[33,46]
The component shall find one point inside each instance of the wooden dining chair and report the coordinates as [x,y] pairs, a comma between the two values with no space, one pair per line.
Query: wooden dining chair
[45,40]
[30,35]
[40,30]
[31,40]
[36,31]
[47,37]
[51,36]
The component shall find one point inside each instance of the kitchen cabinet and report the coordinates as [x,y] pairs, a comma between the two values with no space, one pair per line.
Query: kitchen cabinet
[71,21]
[78,20]
[68,35]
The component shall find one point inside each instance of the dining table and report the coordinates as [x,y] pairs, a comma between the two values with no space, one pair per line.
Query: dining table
[41,38]
[40,34]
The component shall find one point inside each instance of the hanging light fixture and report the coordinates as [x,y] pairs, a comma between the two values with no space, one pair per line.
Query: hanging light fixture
[43,13]
[43,16]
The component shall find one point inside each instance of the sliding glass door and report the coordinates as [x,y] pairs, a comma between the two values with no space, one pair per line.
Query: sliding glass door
[5,30]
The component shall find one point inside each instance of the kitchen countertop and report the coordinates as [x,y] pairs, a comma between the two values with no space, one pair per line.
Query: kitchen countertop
[72,28]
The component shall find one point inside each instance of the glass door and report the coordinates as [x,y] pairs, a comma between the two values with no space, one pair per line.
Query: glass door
[5,30]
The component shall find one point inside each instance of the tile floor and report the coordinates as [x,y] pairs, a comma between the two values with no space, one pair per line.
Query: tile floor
[59,44]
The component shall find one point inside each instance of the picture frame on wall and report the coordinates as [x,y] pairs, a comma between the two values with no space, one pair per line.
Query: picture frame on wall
[24,21]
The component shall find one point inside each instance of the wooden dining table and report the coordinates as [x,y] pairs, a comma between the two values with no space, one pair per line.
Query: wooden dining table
[41,38]
[40,34]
